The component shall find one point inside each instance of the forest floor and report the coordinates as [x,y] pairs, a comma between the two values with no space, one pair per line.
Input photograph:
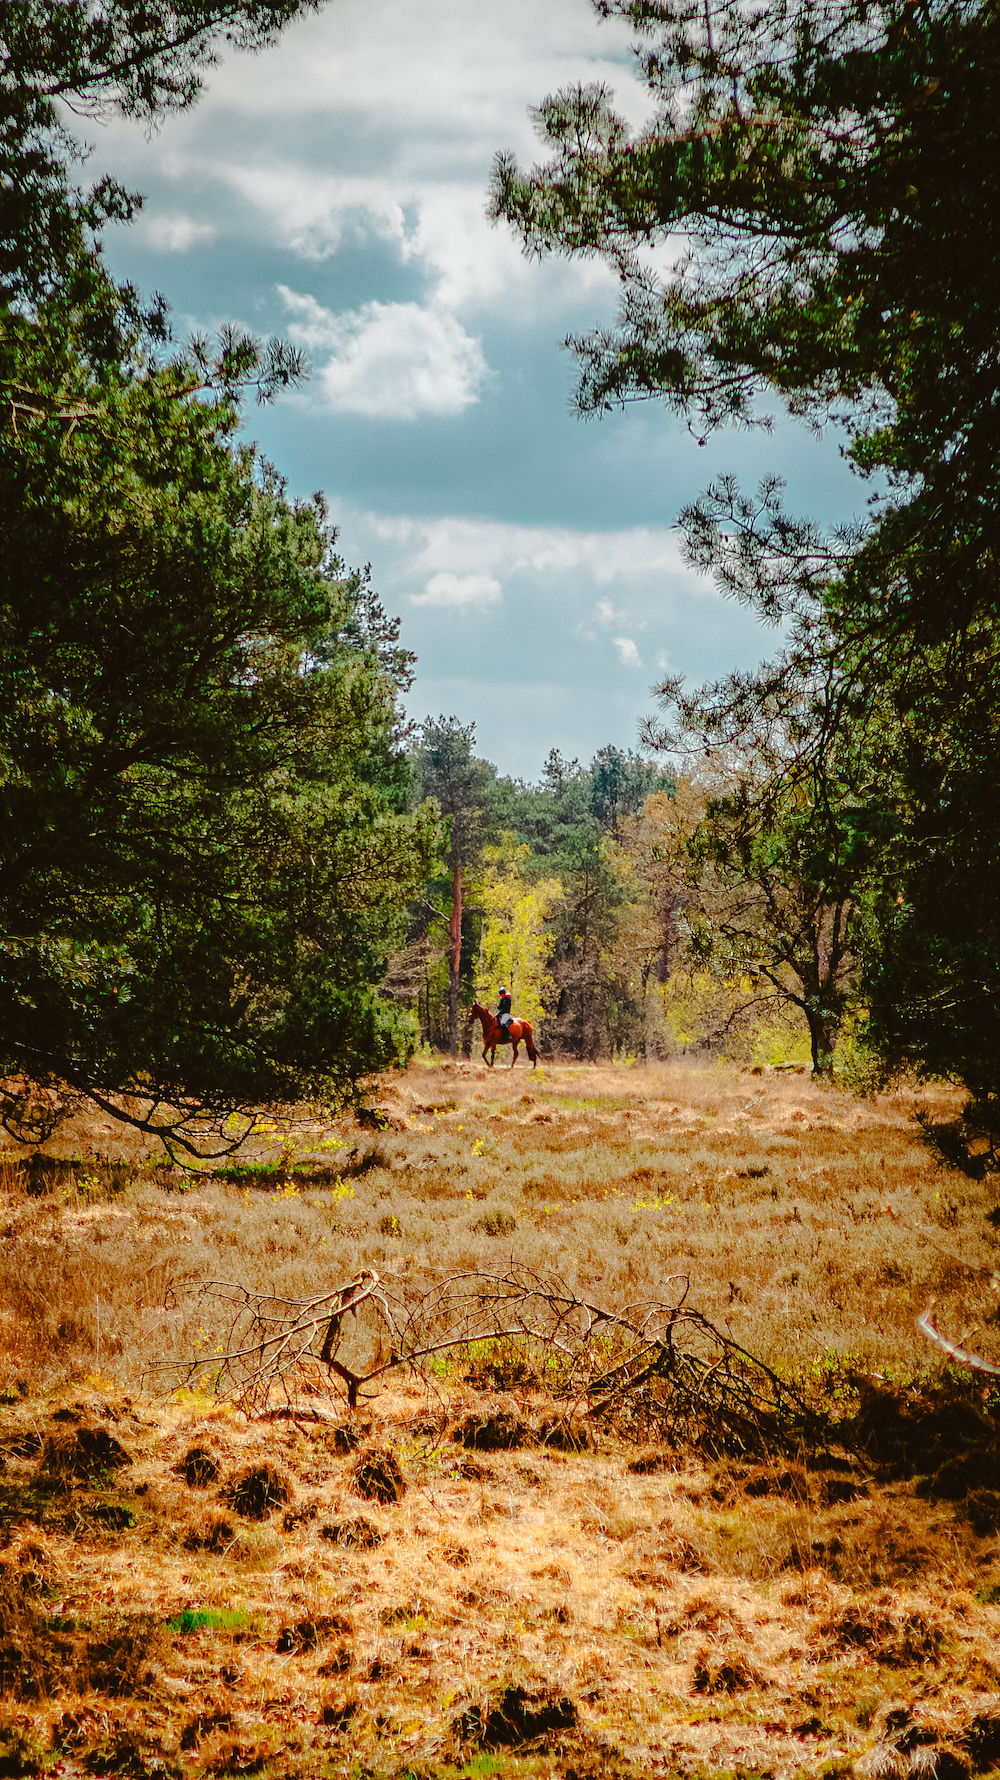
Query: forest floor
[428,1585]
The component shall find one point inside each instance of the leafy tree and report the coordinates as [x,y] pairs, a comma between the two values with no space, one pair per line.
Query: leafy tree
[571,799]
[817,178]
[543,816]
[516,942]
[204,854]
[903,750]
[558,774]
[202,860]
[801,822]
[650,942]
[551,911]
[828,168]
[798,829]
[566,827]
[619,785]
[448,771]
[932,967]
[585,924]
[780,902]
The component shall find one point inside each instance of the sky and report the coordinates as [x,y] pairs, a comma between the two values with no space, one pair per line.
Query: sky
[332,191]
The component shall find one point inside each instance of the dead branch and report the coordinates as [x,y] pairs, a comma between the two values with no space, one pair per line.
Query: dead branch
[925,1323]
[657,1368]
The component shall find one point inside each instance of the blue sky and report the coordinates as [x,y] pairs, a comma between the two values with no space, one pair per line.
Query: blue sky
[332,191]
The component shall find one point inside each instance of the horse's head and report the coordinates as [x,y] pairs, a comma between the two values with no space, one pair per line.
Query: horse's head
[473,1011]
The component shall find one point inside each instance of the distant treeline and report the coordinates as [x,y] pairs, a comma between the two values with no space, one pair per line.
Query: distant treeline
[577,892]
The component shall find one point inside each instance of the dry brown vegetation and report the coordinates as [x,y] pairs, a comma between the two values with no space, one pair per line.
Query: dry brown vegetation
[468,1574]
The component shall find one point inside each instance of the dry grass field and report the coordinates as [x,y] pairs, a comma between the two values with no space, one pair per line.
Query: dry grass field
[481,1568]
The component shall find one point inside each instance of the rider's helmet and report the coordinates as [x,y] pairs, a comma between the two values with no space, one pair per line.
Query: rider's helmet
[503,988]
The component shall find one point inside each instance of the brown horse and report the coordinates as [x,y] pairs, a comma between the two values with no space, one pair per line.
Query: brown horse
[493,1035]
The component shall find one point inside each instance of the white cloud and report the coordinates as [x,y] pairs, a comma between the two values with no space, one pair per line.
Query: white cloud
[605,613]
[378,120]
[174,234]
[491,606]
[454,72]
[437,223]
[540,571]
[477,265]
[315,213]
[389,361]
[546,552]
[463,591]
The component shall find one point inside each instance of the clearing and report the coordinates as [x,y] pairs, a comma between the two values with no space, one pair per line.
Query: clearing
[491,1566]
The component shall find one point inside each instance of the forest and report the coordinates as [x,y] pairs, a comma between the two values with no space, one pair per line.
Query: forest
[592,896]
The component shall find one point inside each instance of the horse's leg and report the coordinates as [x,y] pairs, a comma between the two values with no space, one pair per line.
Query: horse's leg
[515,1042]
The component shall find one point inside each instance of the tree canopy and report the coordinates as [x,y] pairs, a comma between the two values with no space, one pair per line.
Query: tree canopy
[205,851]
[203,863]
[137,57]
[809,217]
[446,769]
[816,178]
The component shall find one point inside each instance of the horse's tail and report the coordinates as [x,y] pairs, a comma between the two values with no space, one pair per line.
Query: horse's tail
[529,1042]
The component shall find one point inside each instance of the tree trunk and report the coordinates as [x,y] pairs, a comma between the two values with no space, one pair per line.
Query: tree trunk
[454,958]
[823,1030]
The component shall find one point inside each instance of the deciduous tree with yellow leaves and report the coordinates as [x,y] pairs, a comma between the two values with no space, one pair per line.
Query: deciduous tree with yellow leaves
[516,945]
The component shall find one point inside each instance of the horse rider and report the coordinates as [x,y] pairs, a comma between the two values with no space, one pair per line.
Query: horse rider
[503,1013]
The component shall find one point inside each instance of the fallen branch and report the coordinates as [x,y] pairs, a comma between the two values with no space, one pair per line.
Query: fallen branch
[925,1323]
[658,1368]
